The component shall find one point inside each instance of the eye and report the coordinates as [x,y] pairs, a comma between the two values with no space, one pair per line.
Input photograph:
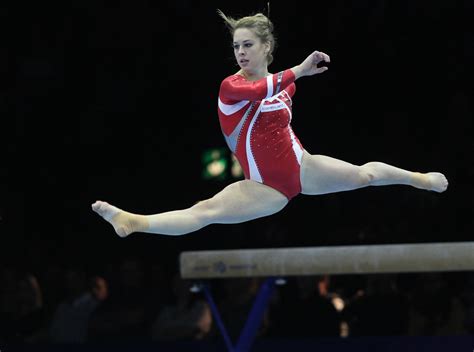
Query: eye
[247,45]
[235,46]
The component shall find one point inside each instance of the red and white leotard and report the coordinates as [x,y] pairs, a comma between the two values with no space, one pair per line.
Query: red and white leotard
[255,119]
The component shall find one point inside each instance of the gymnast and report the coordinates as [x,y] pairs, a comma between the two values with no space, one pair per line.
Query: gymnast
[255,114]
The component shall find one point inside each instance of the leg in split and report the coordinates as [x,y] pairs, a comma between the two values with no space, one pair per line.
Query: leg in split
[238,202]
[322,174]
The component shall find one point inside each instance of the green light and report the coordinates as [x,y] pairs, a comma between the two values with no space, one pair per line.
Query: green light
[220,164]
[215,164]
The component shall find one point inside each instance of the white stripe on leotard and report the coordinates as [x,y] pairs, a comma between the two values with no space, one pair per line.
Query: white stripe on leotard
[253,169]
[231,109]
[269,86]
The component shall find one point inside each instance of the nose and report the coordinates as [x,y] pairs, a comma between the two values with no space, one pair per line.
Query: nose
[241,51]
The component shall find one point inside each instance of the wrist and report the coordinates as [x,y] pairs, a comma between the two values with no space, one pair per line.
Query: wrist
[297,71]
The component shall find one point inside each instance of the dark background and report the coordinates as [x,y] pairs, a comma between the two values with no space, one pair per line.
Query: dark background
[117,100]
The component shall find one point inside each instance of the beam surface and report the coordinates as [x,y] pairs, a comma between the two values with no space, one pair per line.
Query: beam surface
[301,261]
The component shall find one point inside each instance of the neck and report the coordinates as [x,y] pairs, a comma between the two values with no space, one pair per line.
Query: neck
[254,75]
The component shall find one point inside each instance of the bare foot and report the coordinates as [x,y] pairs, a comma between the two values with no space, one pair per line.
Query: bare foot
[438,181]
[115,216]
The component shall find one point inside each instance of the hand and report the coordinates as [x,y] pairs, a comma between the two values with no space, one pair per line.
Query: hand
[310,67]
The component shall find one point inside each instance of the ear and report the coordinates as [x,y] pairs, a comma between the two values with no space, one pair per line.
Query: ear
[267,48]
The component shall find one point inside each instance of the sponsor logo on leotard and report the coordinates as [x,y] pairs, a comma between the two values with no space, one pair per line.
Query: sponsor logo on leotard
[273,107]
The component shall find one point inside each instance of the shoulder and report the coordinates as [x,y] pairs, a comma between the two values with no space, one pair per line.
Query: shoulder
[231,81]
[233,78]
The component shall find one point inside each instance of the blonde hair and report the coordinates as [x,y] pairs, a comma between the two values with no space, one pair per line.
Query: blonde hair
[258,23]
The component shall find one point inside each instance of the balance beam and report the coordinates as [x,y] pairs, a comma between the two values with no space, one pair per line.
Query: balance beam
[301,261]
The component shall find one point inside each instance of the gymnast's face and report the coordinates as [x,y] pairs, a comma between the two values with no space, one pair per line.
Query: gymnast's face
[249,51]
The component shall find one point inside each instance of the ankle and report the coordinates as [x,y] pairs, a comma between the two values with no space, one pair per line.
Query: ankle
[139,223]
[421,180]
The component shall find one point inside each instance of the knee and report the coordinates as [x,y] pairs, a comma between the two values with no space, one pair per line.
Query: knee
[203,210]
[367,174]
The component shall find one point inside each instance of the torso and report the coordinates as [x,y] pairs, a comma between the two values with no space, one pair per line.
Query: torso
[259,133]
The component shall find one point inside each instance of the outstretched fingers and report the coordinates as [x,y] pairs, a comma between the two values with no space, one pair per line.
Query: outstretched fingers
[321,69]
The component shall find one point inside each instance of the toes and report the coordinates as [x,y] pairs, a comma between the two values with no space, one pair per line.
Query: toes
[97,206]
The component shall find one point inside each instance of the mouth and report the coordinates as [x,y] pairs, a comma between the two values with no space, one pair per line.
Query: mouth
[243,61]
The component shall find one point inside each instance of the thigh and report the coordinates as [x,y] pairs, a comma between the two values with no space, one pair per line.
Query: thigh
[242,201]
[322,174]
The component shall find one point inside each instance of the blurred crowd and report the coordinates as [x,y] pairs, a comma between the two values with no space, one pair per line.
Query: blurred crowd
[134,300]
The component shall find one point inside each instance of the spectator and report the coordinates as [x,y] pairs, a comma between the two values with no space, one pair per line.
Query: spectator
[123,316]
[25,319]
[188,317]
[71,318]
